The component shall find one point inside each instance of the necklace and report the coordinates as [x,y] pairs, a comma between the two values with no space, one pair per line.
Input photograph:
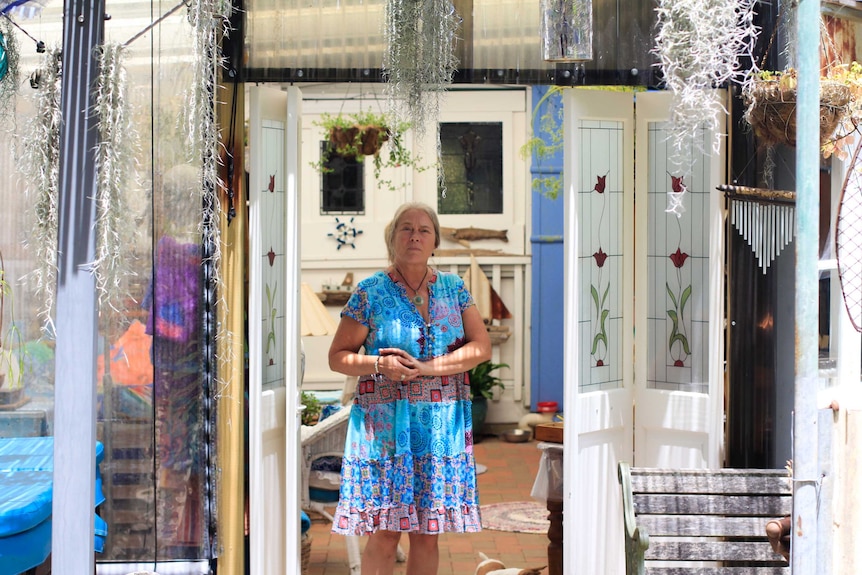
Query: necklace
[417,299]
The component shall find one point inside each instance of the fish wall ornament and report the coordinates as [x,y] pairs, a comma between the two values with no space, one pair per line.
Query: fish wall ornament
[464,236]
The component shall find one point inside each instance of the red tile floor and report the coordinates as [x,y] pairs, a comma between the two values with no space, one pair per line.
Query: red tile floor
[512,468]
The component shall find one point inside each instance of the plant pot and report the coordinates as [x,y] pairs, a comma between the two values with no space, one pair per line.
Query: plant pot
[479,412]
[12,398]
[343,140]
[771,111]
[372,139]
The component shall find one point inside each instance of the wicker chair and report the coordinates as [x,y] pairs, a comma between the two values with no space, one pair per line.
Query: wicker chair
[326,439]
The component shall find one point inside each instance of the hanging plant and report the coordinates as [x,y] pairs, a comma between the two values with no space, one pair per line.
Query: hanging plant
[547,141]
[364,134]
[770,99]
[40,165]
[210,20]
[115,159]
[419,60]
[699,44]
[10,76]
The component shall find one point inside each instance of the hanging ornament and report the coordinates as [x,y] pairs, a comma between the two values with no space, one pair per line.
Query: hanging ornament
[4,62]
[345,234]
[567,30]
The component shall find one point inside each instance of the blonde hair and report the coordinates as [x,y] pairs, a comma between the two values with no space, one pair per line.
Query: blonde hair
[389,231]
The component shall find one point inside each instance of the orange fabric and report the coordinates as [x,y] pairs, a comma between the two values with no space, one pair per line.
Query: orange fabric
[130,358]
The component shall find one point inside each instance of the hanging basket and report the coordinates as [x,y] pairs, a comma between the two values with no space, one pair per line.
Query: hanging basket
[358,140]
[771,110]
[343,139]
[372,139]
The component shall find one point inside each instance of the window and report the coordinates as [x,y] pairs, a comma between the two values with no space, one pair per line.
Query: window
[342,184]
[472,157]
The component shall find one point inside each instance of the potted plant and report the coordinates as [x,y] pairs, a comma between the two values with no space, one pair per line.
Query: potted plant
[357,136]
[770,99]
[482,384]
[11,350]
[311,413]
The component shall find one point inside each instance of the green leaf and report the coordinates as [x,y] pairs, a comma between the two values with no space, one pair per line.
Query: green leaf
[671,294]
[600,337]
[684,298]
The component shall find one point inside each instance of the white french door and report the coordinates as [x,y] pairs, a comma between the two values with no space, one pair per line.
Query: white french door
[679,341]
[643,334]
[274,344]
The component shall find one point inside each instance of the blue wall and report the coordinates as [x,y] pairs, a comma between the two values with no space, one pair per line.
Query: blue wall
[546,373]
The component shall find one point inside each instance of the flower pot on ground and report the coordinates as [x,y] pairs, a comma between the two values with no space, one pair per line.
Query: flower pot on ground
[482,385]
[311,413]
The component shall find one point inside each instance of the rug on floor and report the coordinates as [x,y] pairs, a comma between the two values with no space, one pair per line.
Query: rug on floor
[518,516]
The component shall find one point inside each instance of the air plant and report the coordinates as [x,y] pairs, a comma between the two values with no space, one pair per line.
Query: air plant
[210,20]
[699,44]
[40,165]
[10,78]
[115,159]
[419,61]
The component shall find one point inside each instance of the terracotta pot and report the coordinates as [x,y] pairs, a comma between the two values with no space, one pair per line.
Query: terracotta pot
[342,139]
[372,139]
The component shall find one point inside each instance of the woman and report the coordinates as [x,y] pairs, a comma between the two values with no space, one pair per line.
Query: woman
[408,461]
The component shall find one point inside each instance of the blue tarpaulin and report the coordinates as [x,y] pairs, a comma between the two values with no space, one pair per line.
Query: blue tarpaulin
[26,485]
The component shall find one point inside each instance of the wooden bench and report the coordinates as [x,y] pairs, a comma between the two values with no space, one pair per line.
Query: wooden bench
[703,522]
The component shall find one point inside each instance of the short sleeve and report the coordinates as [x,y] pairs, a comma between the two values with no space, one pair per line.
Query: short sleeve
[465,299]
[357,307]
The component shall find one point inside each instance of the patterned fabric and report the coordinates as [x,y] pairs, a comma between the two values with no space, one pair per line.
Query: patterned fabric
[408,461]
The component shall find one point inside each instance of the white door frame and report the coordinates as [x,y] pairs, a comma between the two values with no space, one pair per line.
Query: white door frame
[274,479]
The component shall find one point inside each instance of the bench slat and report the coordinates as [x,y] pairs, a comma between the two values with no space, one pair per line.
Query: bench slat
[772,570]
[706,550]
[685,504]
[703,525]
[717,481]
[678,519]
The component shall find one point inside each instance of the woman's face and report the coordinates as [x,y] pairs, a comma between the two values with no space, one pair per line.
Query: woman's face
[414,238]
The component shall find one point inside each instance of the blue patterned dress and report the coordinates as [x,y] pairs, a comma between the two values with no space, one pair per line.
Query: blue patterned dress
[408,460]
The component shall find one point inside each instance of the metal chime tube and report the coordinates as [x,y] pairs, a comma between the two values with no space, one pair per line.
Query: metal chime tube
[567,30]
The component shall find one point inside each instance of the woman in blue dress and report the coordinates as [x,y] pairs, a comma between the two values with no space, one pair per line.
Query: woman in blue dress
[408,461]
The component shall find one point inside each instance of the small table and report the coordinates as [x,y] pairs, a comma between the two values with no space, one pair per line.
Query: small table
[548,487]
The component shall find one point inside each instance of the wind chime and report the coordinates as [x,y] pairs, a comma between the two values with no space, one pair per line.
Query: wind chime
[766,219]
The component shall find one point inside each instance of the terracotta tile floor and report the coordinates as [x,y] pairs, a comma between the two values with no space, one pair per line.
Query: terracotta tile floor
[512,468]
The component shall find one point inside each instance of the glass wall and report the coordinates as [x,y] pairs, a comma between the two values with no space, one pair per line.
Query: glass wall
[153,408]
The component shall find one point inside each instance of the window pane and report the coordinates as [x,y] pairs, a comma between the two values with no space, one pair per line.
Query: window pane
[472,156]
[342,184]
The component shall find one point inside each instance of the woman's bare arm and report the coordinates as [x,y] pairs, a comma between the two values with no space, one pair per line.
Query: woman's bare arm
[344,356]
[475,351]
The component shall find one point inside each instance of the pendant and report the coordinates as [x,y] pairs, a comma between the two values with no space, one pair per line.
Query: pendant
[417,300]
